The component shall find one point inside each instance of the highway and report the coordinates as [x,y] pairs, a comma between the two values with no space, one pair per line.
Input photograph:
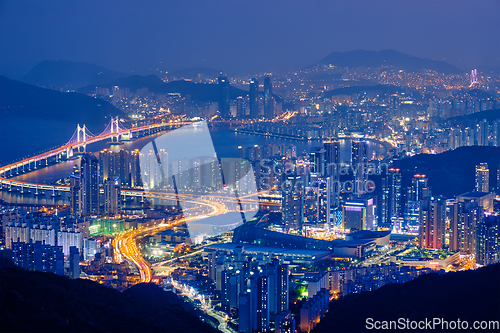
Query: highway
[125,245]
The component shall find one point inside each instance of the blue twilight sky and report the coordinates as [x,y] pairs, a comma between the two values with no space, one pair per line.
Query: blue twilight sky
[242,36]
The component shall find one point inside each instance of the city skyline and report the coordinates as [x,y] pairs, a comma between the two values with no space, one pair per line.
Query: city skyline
[246,167]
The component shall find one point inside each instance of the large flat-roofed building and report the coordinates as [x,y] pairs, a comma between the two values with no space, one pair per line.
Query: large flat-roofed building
[428,258]
[381,238]
[285,255]
[248,234]
[355,248]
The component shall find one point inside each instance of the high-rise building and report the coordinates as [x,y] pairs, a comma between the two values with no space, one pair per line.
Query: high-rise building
[292,202]
[268,98]
[498,180]
[224,106]
[482,133]
[358,214]
[317,159]
[432,223]
[359,162]
[464,218]
[38,257]
[74,263]
[123,167]
[482,178]
[418,190]
[323,205]
[331,168]
[135,169]
[488,241]
[107,165]
[391,203]
[112,196]
[254,99]
[264,297]
[74,195]
[89,185]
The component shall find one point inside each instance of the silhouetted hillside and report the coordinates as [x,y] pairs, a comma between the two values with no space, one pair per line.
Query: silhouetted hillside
[45,302]
[468,296]
[394,58]
[453,172]
[489,115]
[28,101]
[197,91]
[192,73]
[68,74]
[379,88]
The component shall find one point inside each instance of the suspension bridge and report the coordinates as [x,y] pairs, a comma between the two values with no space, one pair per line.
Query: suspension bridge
[115,132]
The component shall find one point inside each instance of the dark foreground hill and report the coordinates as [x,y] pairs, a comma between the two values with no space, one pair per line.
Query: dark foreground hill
[468,296]
[45,302]
[453,172]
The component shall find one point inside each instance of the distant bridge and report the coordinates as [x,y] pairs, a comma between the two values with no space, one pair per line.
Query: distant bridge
[77,144]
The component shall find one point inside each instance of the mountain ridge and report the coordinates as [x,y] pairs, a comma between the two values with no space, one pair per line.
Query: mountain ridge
[197,91]
[68,75]
[366,58]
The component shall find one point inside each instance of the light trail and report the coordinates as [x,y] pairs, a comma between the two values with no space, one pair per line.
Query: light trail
[125,245]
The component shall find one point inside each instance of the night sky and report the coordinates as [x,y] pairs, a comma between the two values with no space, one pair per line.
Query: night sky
[242,36]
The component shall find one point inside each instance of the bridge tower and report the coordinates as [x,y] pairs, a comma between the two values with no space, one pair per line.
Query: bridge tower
[115,129]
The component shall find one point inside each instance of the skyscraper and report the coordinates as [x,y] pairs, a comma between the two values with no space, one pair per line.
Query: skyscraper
[224,106]
[482,178]
[432,223]
[317,159]
[323,204]
[331,168]
[74,195]
[391,203]
[107,163]
[268,98]
[89,185]
[464,218]
[123,167]
[359,161]
[292,202]
[254,99]
[416,192]
[112,196]
[135,169]
[358,215]
[488,241]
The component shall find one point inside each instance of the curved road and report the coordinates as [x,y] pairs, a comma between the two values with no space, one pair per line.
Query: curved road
[125,245]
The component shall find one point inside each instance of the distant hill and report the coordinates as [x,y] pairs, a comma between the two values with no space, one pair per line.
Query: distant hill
[45,302]
[68,75]
[453,172]
[394,58]
[192,73]
[28,101]
[468,296]
[489,115]
[197,91]
[380,88]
